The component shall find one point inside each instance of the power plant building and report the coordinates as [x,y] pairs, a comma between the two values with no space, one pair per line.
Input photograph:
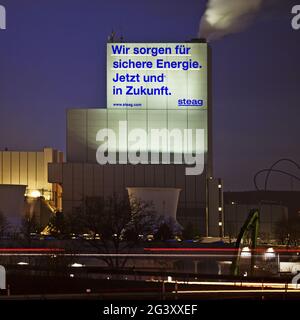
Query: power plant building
[83,175]
[24,186]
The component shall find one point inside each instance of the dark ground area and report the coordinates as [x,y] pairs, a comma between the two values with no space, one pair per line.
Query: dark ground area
[27,287]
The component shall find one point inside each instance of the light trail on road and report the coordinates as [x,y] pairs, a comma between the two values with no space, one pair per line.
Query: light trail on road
[261,291]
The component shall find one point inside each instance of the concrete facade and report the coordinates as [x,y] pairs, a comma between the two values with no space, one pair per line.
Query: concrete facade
[12,203]
[84,124]
[30,169]
[163,200]
[80,180]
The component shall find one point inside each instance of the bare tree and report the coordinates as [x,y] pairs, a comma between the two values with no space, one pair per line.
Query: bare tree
[190,231]
[167,228]
[114,225]
[28,227]
[58,226]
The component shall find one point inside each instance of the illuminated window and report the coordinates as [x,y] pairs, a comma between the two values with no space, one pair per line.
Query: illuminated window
[34,194]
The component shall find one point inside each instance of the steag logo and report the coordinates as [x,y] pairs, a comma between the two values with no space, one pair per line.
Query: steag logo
[2,18]
[296,18]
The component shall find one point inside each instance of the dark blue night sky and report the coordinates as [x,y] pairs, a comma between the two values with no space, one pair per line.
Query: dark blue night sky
[52,57]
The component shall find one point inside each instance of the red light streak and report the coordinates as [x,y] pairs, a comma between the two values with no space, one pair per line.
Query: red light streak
[258,250]
[49,250]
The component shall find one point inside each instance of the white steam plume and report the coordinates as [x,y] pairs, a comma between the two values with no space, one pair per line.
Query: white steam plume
[223,17]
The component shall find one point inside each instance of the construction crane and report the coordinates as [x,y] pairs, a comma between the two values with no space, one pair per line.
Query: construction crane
[251,226]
